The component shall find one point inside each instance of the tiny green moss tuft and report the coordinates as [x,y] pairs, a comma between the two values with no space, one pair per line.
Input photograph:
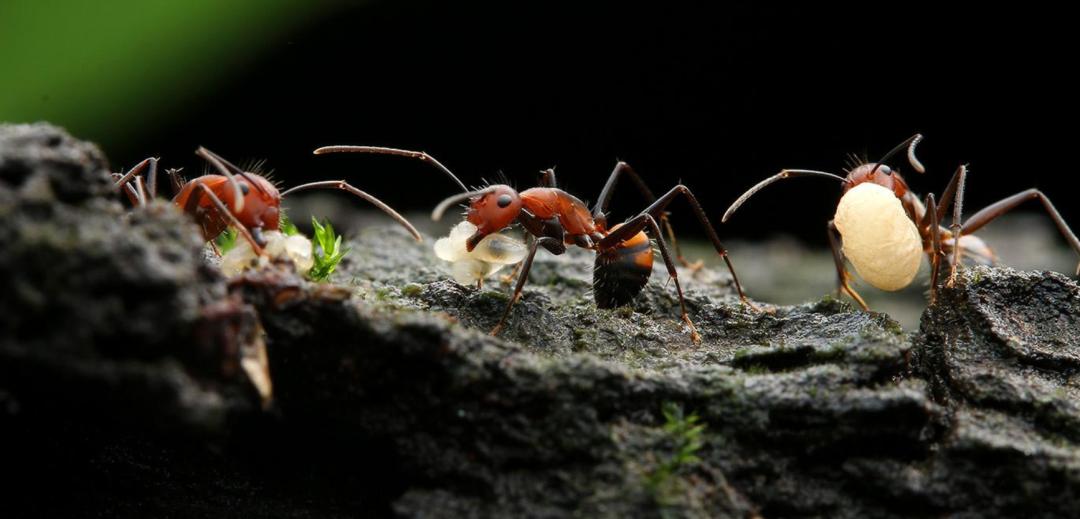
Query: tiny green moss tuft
[286,226]
[684,431]
[327,250]
[226,240]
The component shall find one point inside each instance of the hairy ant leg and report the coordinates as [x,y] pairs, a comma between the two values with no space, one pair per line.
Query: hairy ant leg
[646,221]
[960,178]
[549,243]
[996,209]
[661,204]
[604,200]
[136,170]
[933,225]
[843,278]
[132,184]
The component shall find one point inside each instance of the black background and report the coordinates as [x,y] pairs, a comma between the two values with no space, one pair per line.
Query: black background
[717,96]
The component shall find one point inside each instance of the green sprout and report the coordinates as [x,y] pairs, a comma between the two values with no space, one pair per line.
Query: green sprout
[327,251]
[685,433]
[286,226]
[226,240]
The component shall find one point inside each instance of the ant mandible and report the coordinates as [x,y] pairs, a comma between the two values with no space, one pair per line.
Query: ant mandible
[247,201]
[885,228]
[555,219]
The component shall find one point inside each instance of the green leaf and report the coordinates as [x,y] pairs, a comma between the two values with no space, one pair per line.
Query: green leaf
[326,249]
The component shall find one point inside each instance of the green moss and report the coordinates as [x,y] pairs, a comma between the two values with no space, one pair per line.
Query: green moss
[684,432]
[412,290]
[328,251]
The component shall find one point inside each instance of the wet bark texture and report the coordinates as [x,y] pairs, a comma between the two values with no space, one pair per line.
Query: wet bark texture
[120,393]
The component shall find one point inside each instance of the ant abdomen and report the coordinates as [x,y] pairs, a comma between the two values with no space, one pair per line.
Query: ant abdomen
[620,273]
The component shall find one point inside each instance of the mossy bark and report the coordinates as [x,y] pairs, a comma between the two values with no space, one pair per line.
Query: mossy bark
[120,386]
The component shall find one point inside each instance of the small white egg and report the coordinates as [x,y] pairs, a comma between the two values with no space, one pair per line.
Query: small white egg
[879,238]
[489,256]
[296,248]
[500,249]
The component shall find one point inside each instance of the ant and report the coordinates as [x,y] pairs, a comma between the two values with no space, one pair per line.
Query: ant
[885,228]
[556,219]
[247,201]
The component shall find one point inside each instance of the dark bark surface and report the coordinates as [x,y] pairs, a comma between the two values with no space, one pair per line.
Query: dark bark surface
[121,392]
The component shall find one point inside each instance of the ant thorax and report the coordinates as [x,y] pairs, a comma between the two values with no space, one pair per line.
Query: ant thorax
[490,255]
[879,238]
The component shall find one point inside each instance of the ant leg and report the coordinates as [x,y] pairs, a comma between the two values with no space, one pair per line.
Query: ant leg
[547,178]
[660,204]
[226,168]
[954,229]
[513,274]
[151,178]
[605,199]
[223,210]
[176,180]
[958,179]
[379,150]
[842,276]
[992,211]
[140,188]
[128,190]
[135,171]
[527,265]
[933,226]
[634,226]
[345,186]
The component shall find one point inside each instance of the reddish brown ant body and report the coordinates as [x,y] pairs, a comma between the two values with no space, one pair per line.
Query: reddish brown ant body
[885,228]
[247,201]
[556,219]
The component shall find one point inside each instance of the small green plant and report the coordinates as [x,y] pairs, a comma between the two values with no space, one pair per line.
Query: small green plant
[326,249]
[226,240]
[685,432]
[286,226]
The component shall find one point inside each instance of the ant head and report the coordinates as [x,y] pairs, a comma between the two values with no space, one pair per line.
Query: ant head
[879,174]
[491,210]
[260,204]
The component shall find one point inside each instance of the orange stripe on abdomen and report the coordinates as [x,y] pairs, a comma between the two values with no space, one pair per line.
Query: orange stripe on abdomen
[619,274]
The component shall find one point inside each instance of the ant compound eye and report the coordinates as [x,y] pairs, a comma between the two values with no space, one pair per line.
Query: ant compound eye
[244,188]
[504,200]
[885,170]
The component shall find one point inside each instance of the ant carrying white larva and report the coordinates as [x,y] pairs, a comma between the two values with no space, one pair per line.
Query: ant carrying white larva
[885,228]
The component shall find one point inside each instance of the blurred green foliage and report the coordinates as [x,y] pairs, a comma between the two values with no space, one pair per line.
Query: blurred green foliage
[103,69]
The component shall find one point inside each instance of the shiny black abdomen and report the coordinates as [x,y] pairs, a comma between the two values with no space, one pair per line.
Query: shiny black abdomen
[621,273]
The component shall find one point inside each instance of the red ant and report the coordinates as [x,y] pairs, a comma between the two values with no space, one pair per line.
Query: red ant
[555,219]
[885,228]
[255,201]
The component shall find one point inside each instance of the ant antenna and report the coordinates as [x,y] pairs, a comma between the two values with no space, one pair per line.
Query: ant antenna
[206,154]
[221,165]
[909,144]
[461,197]
[379,150]
[345,186]
[787,173]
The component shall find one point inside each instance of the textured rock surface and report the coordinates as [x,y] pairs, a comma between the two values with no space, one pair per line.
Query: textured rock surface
[392,399]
